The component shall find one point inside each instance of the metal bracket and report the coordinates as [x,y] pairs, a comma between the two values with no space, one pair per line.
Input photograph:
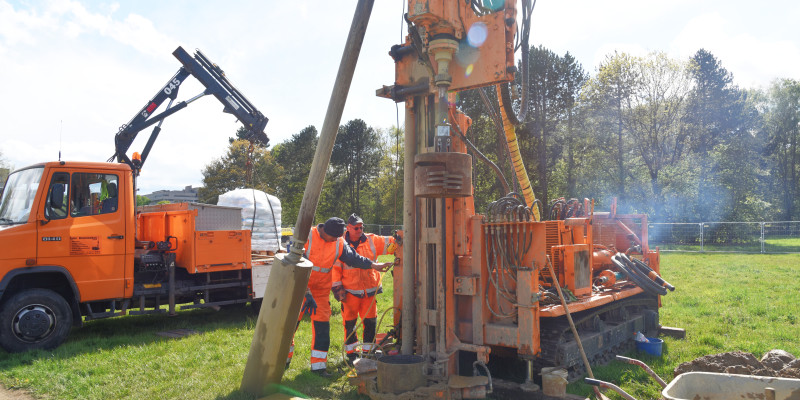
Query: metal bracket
[466,285]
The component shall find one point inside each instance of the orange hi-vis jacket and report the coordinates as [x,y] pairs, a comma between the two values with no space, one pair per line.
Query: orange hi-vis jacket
[323,255]
[361,282]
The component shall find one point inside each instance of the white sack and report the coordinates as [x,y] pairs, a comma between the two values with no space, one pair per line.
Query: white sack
[261,214]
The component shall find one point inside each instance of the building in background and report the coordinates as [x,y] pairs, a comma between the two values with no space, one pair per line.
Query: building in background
[188,194]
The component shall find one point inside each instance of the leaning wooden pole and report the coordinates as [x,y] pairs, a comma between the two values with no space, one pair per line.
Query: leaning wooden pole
[289,277]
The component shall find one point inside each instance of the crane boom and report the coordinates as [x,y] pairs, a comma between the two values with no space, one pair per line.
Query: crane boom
[215,82]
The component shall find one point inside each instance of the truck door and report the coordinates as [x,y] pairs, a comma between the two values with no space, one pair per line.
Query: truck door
[85,232]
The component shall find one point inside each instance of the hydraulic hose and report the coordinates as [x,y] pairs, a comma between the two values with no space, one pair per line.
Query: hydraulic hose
[643,271]
[499,173]
[621,261]
[516,159]
[640,279]
[646,281]
[652,274]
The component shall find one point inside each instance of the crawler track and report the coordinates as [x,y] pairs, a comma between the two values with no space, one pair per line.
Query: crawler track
[605,331]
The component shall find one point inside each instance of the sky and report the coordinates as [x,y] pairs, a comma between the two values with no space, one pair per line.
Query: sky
[73,72]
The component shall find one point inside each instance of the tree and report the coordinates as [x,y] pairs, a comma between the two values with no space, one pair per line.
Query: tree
[5,169]
[387,205]
[294,157]
[782,126]
[546,108]
[354,163]
[715,117]
[654,119]
[573,79]
[609,94]
[230,172]
[142,200]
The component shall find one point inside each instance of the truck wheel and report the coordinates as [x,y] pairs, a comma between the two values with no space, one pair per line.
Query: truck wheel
[34,319]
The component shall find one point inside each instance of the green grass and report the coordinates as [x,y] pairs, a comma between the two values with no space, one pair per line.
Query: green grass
[725,302]
[123,358]
[771,245]
[790,244]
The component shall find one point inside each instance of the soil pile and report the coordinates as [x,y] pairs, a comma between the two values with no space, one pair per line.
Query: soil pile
[776,363]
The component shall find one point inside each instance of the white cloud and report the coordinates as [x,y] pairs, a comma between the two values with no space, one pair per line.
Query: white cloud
[751,56]
[15,26]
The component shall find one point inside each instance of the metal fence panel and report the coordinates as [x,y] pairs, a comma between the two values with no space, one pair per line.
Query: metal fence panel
[677,236]
[740,237]
[383,230]
[782,237]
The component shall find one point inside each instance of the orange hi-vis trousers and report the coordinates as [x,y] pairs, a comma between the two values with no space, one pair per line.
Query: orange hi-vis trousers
[354,307]
[320,331]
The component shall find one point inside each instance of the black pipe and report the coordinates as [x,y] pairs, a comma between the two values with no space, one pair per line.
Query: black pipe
[399,51]
[657,288]
[647,271]
[643,282]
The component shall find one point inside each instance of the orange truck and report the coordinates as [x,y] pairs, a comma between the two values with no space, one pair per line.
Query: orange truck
[75,246]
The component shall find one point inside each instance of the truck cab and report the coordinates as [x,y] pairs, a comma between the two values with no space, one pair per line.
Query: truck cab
[68,234]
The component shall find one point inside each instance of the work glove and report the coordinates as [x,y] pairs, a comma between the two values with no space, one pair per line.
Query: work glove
[309,306]
[339,293]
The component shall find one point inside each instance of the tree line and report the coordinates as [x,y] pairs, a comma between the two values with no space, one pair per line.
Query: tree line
[675,139]
[364,175]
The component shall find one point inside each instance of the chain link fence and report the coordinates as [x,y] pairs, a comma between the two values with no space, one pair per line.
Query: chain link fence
[733,237]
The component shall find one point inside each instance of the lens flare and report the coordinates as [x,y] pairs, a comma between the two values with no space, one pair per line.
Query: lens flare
[468,70]
[467,54]
[477,34]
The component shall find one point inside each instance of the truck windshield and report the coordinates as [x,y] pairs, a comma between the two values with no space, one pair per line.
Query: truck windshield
[18,195]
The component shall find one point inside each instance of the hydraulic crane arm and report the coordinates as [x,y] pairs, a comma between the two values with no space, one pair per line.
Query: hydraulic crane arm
[215,82]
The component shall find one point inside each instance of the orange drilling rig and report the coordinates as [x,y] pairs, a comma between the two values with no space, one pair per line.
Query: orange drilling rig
[480,289]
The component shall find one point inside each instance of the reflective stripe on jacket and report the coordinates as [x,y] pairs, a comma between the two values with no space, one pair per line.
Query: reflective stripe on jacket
[323,255]
[362,282]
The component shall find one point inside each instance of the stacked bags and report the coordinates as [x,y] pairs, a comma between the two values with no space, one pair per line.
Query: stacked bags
[261,214]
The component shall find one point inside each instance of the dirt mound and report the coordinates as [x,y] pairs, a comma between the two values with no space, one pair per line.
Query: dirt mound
[776,363]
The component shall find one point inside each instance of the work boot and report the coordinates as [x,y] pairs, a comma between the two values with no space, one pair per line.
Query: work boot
[321,372]
[352,357]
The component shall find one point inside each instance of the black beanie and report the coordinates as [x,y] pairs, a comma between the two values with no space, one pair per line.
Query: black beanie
[334,226]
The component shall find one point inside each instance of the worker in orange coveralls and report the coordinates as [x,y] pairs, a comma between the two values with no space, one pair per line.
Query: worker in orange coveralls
[356,288]
[324,247]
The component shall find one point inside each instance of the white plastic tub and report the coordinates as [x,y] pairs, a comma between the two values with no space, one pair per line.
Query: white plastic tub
[717,386]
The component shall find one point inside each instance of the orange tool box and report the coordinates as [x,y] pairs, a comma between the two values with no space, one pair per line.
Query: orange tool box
[196,251]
